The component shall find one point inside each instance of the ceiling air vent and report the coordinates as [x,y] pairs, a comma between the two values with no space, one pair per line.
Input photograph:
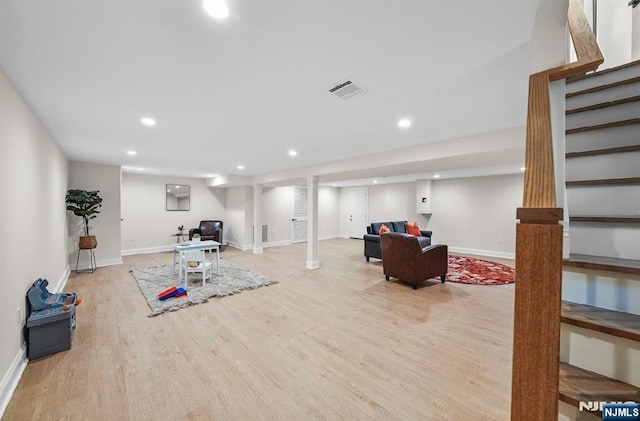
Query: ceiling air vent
[347,89]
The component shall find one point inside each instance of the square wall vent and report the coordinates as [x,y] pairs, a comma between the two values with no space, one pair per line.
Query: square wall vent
[347,88]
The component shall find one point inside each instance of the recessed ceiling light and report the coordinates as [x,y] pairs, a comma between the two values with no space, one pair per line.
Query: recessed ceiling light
[148,121]
[241,167]
[375,181]
[216,8]
[404,123]
[132,153]
[436,176]
[293,153]
[140,169]
[522,169]
[334,185]
[210,175]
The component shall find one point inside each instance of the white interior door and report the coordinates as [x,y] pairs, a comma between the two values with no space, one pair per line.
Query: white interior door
[299,215]
[358,210]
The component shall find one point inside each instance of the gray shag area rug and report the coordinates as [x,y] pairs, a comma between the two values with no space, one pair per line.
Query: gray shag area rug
[232,280]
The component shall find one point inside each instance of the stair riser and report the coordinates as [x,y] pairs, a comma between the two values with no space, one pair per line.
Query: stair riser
[606,95]
[609,290]
[603,166]
[611,356]
[621,241]
[567,412]
[609,200]
[604,79]
[605,138]
[604,115]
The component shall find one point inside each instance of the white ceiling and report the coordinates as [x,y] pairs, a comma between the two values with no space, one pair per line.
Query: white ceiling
[247,89]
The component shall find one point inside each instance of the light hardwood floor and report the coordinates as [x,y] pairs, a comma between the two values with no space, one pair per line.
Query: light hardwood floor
[336,343]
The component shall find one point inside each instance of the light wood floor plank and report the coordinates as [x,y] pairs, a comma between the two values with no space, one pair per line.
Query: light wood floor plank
[336,343]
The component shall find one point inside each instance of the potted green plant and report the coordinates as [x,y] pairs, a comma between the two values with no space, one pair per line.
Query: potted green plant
[84,204]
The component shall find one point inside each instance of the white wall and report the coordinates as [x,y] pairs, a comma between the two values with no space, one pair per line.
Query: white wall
[148,227]
[33,222]
[106,225]
[635,33]
[395,202]
[239,217]
[276,213]
[472,215]
[328,212]
[477,215]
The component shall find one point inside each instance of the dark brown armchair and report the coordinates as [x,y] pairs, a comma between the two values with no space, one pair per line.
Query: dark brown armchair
[208,230]
[404,258]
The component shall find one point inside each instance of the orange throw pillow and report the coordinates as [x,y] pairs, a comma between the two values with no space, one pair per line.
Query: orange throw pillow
[383,229]
[413,228]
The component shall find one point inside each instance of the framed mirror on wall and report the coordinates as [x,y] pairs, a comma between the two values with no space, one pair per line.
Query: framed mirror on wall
[178,197]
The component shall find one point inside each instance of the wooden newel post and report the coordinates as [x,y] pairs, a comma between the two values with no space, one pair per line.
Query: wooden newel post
[536,337]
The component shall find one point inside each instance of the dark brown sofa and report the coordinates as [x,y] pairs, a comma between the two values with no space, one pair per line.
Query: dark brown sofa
[208,230]
[404,258]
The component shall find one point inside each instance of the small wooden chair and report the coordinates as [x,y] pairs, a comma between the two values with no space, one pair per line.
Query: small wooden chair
[195,261]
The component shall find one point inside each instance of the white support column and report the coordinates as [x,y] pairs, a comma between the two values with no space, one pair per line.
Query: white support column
[313,254]
[257,218]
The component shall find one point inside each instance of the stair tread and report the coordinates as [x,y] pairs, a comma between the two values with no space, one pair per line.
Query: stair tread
[605,151]
[603,126]
[580,385]
[604,181]
[603,105]
[617,323]
[603,71]
[613,264]
[633,219]
[605,86]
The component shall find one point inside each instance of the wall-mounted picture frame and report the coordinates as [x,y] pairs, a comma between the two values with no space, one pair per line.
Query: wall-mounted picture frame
[178,197]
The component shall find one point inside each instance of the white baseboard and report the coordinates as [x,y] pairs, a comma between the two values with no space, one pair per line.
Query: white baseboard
[478,252]
[100,263]
[63,280]
[147,250]
[12,378]
[245,247]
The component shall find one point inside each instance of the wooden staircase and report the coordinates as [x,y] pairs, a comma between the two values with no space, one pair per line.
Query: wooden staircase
[600,332]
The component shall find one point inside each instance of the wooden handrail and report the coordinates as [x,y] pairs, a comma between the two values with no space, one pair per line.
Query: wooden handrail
[536,337]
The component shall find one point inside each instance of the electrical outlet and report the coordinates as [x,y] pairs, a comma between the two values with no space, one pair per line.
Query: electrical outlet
[18,317]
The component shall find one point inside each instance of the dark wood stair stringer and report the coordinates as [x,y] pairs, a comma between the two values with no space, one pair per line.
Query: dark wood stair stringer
[606,151]
[579,385]
[603,105]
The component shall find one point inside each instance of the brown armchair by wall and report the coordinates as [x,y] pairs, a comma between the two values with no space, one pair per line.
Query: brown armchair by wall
[208,230]
[404,258]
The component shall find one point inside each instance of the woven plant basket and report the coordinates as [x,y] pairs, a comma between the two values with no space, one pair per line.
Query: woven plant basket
[88,242]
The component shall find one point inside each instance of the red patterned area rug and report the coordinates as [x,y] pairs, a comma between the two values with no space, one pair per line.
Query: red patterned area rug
[469,270]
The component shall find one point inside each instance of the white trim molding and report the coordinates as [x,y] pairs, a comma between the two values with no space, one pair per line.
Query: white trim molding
[147,250]
[62,282]
[313,264]
[12,378]
[487,253]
